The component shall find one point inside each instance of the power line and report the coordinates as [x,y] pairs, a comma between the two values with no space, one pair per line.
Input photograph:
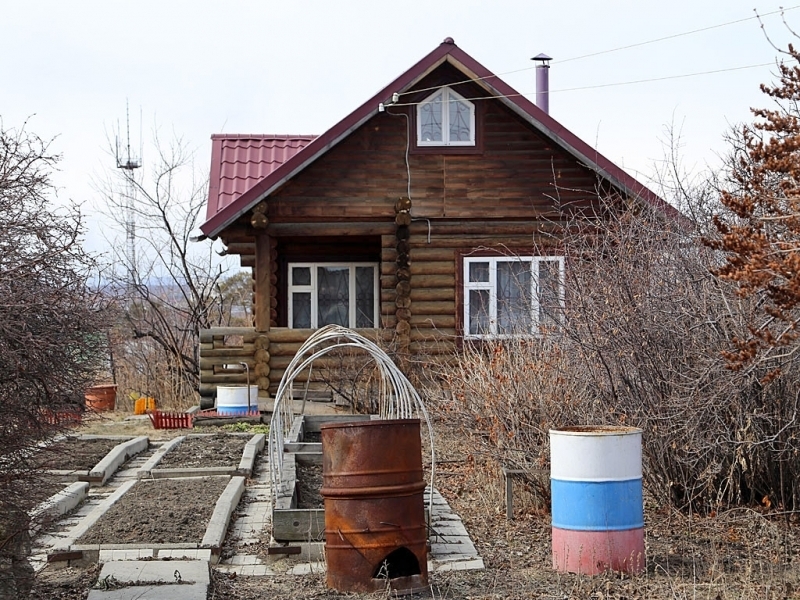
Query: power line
[677,35]
[604,85]
[627,47]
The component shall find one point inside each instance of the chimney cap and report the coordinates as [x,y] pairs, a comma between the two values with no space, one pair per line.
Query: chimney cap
[542,57]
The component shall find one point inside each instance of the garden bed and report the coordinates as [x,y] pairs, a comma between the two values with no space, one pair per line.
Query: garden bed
[77,454]
[163,511]
[224,450]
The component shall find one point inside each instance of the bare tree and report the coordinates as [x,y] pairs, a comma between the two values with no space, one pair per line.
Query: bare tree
[51,325]
[169,286]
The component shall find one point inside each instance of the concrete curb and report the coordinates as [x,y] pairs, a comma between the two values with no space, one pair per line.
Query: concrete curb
[116,457]
[251,450]
[90,519]
[152,462]
[64,501]
[218,525]
[191,472]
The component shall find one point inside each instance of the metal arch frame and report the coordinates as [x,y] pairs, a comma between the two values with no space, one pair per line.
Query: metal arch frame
[397,397]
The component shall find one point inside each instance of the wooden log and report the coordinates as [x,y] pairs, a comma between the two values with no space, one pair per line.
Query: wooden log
[434,281]
[437,321]
[432,268]
[403,288]
[448,333]
[286,334]
[402,302]
[433,348]
[261,370]
[403,328]
[263,271]
[224,378]
[234,354]
[403,260]
[404,273]
[431,294]
[403,247]
[403,219]
[403,233]
[483,227]
[261,356]
[425,307]
[217,362]
[422,251]
[402,314]
[242,248]
[284,349]
[208,335]
[345,228]
[262,342]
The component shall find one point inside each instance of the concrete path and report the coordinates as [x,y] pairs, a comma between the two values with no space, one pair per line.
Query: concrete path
[128,574]
[152,580]
[451,547]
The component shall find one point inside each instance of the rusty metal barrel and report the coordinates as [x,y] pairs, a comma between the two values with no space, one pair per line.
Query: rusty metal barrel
[373,487]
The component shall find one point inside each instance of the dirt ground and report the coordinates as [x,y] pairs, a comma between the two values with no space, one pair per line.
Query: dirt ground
[737,554]
[159,511]
[206,451]
[75,454]
[309,483]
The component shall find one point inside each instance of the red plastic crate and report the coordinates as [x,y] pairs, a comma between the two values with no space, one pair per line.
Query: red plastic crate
[170,420]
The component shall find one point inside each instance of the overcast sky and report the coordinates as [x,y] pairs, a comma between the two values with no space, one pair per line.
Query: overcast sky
[201,67]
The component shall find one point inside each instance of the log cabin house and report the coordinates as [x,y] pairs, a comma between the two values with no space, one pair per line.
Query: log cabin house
[413,219]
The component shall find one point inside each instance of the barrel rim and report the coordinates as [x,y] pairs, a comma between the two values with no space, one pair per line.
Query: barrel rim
[596,430]
[375,423]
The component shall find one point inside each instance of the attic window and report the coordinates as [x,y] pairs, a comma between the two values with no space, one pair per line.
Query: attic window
[445,118]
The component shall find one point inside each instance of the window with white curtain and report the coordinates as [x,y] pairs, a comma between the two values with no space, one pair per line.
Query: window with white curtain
[512,295]
[333,293]
[445,118]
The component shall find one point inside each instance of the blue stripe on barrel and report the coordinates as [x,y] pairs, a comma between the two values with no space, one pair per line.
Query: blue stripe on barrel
[597,506]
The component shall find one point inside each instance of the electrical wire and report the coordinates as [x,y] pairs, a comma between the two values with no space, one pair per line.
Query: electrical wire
[603,85]
[610,50]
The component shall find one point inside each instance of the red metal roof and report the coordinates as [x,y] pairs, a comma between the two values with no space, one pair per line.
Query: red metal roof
[240,161]
[472,69]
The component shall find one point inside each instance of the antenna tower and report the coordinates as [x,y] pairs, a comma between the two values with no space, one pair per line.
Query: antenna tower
[129,163]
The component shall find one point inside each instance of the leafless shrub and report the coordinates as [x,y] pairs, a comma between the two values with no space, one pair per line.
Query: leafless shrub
[640,344]
[50,332]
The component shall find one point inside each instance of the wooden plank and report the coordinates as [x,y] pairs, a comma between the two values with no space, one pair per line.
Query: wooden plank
[298,524]
[422,267]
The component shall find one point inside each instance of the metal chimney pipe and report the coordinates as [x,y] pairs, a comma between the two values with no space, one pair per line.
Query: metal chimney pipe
[543,82]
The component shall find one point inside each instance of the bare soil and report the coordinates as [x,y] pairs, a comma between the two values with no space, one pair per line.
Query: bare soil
[207,451]
[64,584]
[76,454]
[309,483]
[159,511]
[743,553]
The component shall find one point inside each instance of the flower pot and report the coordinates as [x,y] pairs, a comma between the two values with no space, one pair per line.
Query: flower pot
[101,398]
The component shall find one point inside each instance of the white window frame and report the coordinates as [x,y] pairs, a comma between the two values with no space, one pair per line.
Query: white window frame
[446,93]
[312,289]
[491,286]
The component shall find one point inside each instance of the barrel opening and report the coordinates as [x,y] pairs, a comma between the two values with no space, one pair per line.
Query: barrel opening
[399,563]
